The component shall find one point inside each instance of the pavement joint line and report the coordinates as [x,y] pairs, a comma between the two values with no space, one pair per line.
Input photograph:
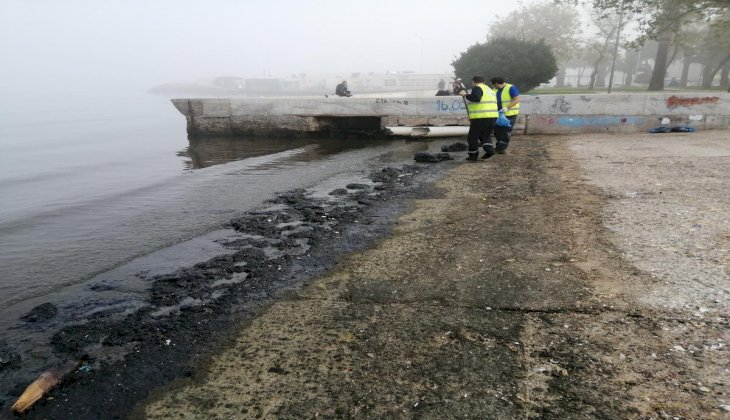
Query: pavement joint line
[587,311]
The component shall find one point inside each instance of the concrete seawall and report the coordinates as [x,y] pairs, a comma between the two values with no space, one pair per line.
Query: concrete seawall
[540,114]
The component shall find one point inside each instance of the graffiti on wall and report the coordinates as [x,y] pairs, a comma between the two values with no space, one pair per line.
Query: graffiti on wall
[598,121]
[560,104]
[675,101]
[450,105]
[391,101]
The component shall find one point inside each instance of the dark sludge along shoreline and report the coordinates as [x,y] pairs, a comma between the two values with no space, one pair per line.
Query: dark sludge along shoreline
[195,310]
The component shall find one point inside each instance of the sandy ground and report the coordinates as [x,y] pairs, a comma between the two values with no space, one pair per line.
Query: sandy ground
[574,277]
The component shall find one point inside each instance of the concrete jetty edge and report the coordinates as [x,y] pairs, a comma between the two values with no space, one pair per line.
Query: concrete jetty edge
[539,114]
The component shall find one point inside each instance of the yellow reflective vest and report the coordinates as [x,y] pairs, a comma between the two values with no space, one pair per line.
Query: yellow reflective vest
[506,98]
[487,107]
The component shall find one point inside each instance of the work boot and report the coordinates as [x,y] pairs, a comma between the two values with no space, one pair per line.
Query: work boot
[487,154]
[472,157]
[501,147]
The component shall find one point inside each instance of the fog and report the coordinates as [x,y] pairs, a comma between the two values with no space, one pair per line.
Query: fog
[62,46]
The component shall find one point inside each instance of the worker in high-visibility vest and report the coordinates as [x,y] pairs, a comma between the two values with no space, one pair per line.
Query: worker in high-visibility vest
[482,110]
[508,101]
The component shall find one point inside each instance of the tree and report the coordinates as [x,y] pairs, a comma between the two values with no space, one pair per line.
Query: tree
[601,46]
[660,63]
[715,47]
[645,62]
[707,43]
[628,64]
[558,26]
[581,61]
[688,43]
[659,20]
[523,63]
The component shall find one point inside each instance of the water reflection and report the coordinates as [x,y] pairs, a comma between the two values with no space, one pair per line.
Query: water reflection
[208,151]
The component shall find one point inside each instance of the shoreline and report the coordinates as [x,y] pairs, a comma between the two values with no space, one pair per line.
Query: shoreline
[512,287]
[511,292]
[300,235]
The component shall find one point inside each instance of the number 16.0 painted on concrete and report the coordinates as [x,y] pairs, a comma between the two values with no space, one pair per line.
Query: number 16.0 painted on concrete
[450,105]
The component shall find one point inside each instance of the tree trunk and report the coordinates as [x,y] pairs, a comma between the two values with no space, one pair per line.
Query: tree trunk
[560,77]
[632,58]
[580,76]
[671,58]
[629,76]
[724,82]
[594,73]
[597,66]
[685,72]
[601,77]
[660,65]
[708,75]
[592,83]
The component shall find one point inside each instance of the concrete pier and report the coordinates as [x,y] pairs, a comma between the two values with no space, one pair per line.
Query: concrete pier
[540,114]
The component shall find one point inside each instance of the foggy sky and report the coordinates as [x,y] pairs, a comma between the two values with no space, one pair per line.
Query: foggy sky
[60,45]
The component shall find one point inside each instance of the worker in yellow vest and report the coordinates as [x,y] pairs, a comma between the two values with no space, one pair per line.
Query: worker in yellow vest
[508,101]
[482,109]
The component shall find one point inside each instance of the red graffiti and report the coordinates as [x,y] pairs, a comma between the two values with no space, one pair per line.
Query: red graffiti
[675,101]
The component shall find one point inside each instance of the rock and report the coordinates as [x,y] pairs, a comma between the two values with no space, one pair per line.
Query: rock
[277,370]
[431,157]
[355,186]
[426,157]
[41,312]
[338,192]
[456,147]
[386,175]
[8,359]
[40,354]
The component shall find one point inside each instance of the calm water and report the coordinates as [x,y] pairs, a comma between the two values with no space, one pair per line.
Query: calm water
[91,183]
[99,194]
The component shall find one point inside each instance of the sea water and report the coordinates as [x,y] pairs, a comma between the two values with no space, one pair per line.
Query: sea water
[91,182]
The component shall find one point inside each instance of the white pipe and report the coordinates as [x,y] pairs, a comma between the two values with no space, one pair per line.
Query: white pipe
[447,131]
[399,131]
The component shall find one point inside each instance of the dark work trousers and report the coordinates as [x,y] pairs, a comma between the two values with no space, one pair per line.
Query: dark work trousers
[502,133]
[479,129]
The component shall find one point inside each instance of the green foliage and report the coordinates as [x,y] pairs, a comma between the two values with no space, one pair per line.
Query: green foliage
[525,64]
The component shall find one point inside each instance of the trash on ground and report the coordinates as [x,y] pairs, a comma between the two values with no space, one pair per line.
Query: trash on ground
[45,382]
[677,129]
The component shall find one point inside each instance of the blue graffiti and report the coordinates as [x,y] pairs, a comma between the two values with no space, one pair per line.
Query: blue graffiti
[450,105]
[601,121]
